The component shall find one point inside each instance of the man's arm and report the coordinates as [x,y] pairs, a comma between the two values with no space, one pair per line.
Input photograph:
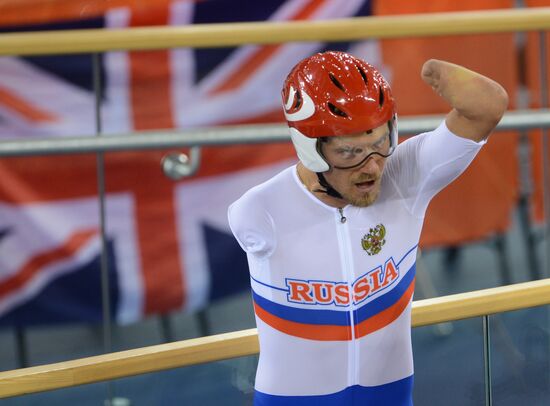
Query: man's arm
[478,102]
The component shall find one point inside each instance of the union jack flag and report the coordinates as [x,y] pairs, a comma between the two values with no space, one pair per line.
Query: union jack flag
[169,245]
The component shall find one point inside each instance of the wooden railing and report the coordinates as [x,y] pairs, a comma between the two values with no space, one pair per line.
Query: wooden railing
[233,34]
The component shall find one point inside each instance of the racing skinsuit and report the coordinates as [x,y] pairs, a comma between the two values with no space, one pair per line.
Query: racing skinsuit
[332,288]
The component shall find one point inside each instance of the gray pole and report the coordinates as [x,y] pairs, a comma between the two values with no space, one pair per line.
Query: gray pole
[104,268]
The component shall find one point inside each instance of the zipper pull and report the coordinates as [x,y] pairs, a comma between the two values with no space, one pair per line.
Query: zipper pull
[342,217]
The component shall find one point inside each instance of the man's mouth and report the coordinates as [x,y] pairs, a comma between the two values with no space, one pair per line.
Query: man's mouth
[366,185]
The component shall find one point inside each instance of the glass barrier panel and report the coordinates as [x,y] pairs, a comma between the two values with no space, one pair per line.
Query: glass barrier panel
[50,254]
[174,255]
[46,96]
[449,364]
[227,382]
[226,315]
[520,357]
[537,81]
[50,236]
[85,395]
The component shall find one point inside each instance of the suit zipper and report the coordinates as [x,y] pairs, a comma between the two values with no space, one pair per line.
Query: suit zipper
[343,218]
[347,267]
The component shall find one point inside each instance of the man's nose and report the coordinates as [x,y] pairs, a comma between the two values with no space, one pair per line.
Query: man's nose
[370,166]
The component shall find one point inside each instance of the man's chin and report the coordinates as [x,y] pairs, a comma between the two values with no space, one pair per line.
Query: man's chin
[363,200]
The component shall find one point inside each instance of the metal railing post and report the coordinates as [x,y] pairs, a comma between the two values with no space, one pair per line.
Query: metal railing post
[545,148]
[487,361]
[104,259]
[543,54]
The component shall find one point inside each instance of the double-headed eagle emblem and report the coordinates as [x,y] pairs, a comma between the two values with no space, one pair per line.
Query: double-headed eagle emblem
[374,240]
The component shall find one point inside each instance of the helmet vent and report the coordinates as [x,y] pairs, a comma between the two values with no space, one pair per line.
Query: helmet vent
[336,111]
[298,100]
[337,83]
[380,96]
[363,74]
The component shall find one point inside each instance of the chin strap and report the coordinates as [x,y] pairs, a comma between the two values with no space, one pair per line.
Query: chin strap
[328,189]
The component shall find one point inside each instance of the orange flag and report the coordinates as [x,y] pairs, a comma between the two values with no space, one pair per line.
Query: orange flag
[479,203]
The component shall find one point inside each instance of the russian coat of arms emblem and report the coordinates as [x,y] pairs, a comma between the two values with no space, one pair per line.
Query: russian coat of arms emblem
[374,240]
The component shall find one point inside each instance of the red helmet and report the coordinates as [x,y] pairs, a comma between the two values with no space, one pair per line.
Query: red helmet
[333,94]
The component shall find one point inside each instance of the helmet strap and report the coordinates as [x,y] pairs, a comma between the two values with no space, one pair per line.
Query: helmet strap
[328,189]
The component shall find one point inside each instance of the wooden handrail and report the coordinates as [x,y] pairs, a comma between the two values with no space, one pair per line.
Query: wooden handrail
[128,363]
[234,34]
[243,343]
[480,302]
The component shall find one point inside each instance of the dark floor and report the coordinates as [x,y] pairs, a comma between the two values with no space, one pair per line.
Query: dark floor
[449,367]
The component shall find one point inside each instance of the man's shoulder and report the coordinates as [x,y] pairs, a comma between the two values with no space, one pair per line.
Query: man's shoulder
[268,190]
[409,147]
[250,216]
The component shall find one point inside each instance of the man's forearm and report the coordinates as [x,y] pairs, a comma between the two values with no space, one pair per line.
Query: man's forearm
[478,102]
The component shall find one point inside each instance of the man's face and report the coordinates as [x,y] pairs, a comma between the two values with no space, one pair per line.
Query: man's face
[360,186]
